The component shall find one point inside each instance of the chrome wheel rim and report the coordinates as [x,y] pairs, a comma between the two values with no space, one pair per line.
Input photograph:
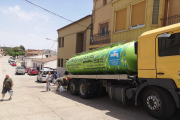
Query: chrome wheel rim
[82,89]
[153,102]
[72,87]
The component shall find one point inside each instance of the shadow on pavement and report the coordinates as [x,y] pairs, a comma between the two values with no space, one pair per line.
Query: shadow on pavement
[115,109]
[43,91]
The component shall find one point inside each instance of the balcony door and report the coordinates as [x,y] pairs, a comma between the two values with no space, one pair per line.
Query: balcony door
[171,12]
[104,29]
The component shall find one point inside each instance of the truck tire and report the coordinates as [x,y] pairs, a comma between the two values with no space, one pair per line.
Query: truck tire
[73,87]
[159,103]
[83,89]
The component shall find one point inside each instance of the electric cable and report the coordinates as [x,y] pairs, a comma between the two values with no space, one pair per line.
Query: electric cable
[48,45]
[52,45]
[52,13]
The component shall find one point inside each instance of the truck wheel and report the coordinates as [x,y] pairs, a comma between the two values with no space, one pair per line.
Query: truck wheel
[83,89]
[159,103]
[73,87]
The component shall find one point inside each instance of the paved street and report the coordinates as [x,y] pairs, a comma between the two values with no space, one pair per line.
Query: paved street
[31,102]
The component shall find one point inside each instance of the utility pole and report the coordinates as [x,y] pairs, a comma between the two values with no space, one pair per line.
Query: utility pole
[42,58]
[11,48]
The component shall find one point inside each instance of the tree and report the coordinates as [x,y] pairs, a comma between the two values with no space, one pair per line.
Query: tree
[13,54]
[17,54]
[16,49]
[22,47]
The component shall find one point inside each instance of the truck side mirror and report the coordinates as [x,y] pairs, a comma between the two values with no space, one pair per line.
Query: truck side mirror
[136,47]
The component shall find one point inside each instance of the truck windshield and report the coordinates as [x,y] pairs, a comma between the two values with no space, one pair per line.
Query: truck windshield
[169,44]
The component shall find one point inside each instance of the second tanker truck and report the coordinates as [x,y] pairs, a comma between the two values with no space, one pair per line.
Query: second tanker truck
[145,72]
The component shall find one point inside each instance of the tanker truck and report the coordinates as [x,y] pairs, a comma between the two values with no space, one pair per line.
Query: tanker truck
[144,72]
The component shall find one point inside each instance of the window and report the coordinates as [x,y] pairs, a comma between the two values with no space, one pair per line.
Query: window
[61,62]
[59,42]
[169,44]
[104,2]
[121,20]
[104,29]
[58,62]
[138,15]
[155,12]
[62,42]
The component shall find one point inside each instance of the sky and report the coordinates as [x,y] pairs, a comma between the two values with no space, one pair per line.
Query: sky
[22,23]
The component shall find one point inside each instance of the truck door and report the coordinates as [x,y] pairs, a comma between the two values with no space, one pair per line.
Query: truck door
[168,57]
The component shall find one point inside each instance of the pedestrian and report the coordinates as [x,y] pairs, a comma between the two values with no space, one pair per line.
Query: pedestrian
[56,75]
[7,86]
[62,81]
[48,78]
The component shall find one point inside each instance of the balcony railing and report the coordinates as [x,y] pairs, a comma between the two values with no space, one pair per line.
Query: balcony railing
[100,38]
[170,20]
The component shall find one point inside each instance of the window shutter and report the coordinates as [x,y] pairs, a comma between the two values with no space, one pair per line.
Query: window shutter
[174,7]
[121,20]
[155,12]
[138,13]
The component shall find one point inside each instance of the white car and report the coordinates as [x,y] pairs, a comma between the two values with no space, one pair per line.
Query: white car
[20,70]
[42,75]
[12,61]
[11,58]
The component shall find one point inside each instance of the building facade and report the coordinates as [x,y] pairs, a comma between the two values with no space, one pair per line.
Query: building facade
[101,23]
[49,53]
[133,17]
[45,62]
[32,52]
[72,39]
[1,52]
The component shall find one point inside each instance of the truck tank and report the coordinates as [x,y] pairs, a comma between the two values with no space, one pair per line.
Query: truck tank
[118,59]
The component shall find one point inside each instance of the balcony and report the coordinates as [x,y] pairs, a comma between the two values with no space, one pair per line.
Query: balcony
[170,20]
[101,38]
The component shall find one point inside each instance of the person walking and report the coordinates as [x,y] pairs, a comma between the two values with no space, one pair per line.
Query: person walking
[48,78]
[56,75]
[7,86]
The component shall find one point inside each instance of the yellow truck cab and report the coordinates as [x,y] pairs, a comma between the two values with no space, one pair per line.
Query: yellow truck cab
[158,54]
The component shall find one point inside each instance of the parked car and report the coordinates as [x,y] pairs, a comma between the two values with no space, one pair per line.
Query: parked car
[42,75]
[14,64]
[11,58]
[12,61]
[27,69]
[33,71]
[20,70]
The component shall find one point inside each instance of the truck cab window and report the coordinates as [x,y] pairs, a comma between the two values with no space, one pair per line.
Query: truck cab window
[169,44]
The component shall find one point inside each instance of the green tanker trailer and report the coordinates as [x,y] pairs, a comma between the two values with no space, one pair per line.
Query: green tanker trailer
[118,59]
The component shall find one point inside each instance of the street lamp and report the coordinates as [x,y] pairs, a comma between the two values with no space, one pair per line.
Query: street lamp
[51,39]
